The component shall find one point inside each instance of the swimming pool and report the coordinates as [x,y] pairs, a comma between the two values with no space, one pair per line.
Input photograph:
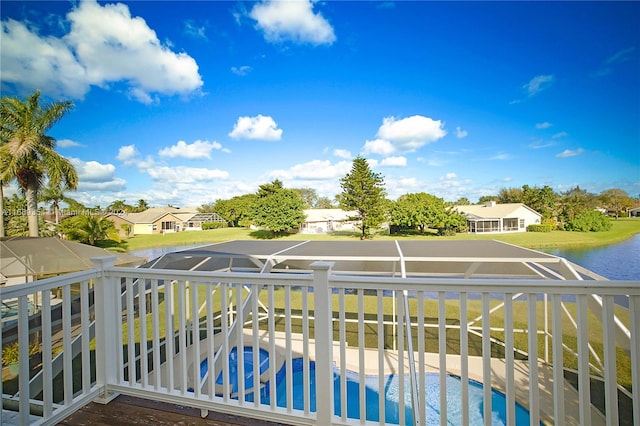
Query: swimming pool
[392,394]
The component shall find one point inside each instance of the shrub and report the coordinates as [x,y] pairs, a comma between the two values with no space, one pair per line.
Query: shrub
[545,227]
[589,221]
[213,225]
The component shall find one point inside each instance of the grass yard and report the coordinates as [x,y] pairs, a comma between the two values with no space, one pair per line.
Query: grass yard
[622,229]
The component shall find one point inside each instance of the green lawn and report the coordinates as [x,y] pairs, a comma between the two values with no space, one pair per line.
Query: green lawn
[622,229]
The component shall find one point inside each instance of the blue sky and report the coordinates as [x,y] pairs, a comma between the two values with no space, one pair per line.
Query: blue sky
[184,103]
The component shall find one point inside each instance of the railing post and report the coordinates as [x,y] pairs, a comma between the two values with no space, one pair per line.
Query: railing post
[324,342]
[107,291]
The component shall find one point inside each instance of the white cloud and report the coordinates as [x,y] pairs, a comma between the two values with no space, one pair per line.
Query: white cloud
[461,133]
[197,150]
[105,45]
[560,135]
[193,30]
[292,21]
[242,70]
[342,153]
[183,175]
[68,143]
[312,170]
[258,127]
[449,176]
[409,134]
[570,153]
[501,157]
[543,125]
[378,146]
[95,176]
[127,154]
[394,161]
[538,83]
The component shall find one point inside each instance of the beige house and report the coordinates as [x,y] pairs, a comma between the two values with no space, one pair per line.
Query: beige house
[161,220]
[499,218]
[324,221]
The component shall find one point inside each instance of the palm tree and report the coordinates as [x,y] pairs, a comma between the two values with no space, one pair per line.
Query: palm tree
[28,154]
[53,195]
[89,229]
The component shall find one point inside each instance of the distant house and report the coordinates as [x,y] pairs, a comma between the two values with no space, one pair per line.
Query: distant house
[324,221]
[161,220]
[634,212]
[499,218]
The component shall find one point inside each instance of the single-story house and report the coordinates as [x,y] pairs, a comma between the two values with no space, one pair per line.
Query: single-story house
[499,218]
[161,220]
[324,221]
[634,212]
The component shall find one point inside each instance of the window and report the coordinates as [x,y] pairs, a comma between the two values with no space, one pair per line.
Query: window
[168,226]
[510,224]
[521,223]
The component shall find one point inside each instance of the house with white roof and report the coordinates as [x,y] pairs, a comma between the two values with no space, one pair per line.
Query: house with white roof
[499,218]
[324,221]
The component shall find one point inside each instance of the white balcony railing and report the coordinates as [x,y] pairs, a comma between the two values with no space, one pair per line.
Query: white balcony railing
[546,345]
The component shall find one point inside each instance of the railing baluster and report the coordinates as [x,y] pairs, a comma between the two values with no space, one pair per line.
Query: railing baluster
[23,354]
[534,393]
[155,338]
[169,328]
[195,332]
[66,344]
[381,395]
[422,389]
[224,298]
[255,344]
[610,376]
[361,355]
[289,362]
[131,360]
[84,325]
[182,335]
[558,360]
[142,324]
[211,371]
[442,354]
[47,371]
[584,386]
[464,360]
[306,374]
[343,355]
[273,397]
[240,344]
[486,358]
[403,317]
[508,358]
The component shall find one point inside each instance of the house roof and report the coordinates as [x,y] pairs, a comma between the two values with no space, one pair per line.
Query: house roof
[153,214]
[493,211]
[29,256]
[324,215]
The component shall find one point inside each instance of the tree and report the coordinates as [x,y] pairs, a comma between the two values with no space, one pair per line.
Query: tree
[615,200]
[363,191]
[575,201]
[53,195]
[422,210]
[120,206]
[543,200]
[237,211]
[324,203]
[309,195]
[141,206]
[278,209]
[463,201]
[510,195]
[28,154]
[89,229]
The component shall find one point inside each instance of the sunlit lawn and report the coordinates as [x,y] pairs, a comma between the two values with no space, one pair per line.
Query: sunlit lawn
[622,229]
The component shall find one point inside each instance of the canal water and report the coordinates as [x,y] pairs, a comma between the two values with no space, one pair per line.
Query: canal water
[616,261]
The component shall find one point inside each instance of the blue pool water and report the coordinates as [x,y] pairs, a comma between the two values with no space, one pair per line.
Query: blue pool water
[391,391]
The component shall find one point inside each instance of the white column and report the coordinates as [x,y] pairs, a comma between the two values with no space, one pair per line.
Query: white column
[107,290]
[324,342]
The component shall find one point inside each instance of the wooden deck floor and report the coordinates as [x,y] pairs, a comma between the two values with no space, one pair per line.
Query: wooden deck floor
[127,410]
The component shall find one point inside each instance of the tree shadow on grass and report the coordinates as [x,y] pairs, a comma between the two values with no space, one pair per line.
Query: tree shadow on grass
[119,246]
